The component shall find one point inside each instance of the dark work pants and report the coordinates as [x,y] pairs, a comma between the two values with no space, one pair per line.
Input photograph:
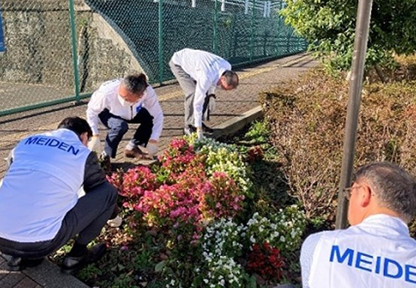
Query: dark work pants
[118,127]
[86,219]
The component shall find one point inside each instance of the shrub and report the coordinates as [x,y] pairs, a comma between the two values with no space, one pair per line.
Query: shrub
[308,131]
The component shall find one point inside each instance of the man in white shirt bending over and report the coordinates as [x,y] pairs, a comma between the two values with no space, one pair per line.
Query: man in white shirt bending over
[199,73]
[122,101]
[376,251]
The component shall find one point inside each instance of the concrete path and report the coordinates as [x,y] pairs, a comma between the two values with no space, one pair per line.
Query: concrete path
[234,108]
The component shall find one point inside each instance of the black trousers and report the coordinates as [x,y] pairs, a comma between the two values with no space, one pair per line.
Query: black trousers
[86,219]
[118,127]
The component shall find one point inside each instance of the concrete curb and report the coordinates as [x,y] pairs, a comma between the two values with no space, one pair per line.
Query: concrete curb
[234,124]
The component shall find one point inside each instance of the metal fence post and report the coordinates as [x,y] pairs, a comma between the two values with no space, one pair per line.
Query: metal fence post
[353,110]
[74,49]
[160,36]
[215,35]
[252,31]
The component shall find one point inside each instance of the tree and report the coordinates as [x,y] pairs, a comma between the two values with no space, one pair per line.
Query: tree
[329,25]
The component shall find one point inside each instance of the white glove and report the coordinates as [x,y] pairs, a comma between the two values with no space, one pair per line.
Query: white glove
[95,145]
[211,104]
[199,133]
[116,222]
[152,149]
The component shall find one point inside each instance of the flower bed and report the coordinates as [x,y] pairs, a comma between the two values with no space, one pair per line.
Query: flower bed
[199,219]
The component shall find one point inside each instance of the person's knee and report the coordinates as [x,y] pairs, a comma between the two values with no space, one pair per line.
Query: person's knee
[106,192]
[121,127]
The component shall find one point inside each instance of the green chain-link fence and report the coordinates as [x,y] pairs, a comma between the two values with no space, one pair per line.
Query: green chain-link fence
[61,50]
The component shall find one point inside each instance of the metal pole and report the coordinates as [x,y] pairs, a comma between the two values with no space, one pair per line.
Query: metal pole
[74,50]
[160,36]
[215,35]
[354,99]
[252,31]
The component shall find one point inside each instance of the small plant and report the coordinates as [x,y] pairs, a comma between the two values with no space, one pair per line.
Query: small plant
[266,261]
[282,230]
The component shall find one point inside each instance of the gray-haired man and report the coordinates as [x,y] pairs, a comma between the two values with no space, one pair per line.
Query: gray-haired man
[376,251]
[199,73]
[119,102]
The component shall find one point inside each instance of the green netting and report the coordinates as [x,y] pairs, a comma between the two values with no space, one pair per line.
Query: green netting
[113,37]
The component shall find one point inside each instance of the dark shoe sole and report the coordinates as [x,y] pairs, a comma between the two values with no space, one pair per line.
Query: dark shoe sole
[95,254]
[19,264]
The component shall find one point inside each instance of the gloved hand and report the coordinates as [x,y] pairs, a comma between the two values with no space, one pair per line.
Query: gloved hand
[199,133]
[95,144]
[152,148]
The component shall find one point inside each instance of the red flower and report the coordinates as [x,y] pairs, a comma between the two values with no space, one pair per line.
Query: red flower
[266,261]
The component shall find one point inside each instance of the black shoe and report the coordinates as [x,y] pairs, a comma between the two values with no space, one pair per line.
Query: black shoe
[189,130]
[72,264]
[18,263]
[207,129]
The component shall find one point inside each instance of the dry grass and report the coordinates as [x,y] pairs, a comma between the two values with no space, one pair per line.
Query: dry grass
[308,119]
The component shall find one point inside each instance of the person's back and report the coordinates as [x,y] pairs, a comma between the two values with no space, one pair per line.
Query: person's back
[376,253]
[39,205]
[40,186]
[198,63]
[377,250]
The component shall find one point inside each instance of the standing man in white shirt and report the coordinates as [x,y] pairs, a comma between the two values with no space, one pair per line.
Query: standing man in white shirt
[199,73]
[122,101]
[376,251]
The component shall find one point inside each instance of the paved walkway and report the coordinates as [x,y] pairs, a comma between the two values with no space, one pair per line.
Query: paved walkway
[230,105]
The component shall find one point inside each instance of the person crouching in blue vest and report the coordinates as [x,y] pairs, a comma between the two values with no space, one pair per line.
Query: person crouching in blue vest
[122,101]
[376,251]
[39,205]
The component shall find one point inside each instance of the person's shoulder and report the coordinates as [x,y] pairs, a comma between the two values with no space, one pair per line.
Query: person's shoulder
[109,86]
[313,239]
[150,89]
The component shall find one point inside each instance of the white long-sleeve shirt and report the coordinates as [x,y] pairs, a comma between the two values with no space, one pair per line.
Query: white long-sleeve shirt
[206,69]
[107,97]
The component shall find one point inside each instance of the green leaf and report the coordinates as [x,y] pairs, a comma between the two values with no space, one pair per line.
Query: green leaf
[159,266]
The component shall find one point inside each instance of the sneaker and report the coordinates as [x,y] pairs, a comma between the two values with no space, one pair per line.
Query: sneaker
[189,130]
[134,153]
[71,264]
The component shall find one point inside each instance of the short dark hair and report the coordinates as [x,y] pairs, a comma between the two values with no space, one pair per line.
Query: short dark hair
[393,186]
[77,125]
[231,78]
[136,83]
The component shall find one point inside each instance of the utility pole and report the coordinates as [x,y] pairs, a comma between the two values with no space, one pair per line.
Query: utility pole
[354,100]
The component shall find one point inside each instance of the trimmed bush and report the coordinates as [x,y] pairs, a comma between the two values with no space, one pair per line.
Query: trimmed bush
[307,120]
